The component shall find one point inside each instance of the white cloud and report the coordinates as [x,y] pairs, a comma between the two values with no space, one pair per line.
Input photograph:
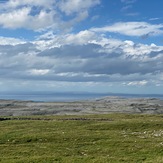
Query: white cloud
[39,71]
[15,19]
[82,57]
[74,6]
[21,18]
[132,29]
[49,40]
[89,56]
[41,15]
[83,37]
[153,19]
[138,83]
[135,50]
[13,4]
[11,41]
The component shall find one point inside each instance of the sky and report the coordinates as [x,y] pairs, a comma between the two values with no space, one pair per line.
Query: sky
[81,45]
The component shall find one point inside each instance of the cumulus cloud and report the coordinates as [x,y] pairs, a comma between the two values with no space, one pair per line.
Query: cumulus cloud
[21,18]
[132,29]
[90,57]
[42,14]
[83,37]
[83,57]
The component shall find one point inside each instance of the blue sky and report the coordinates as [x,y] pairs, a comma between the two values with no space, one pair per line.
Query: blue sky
[81,45]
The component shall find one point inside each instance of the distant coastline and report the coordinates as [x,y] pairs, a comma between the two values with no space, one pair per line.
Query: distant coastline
[68,96]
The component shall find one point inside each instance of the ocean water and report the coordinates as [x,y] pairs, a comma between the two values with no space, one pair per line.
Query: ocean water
[67,97]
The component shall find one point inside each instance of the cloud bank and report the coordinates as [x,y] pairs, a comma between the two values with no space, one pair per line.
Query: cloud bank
[82,57]
[61,56]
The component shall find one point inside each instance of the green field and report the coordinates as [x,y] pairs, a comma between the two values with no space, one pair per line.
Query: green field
[92,138]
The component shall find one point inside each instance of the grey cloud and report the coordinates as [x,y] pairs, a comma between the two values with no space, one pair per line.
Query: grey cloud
[89,59]
[12,50]
[78,63]
[119,66]
[155,54]
[147,35]
[68,51]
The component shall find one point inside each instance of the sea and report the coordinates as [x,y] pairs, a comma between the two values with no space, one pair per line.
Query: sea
[68,96]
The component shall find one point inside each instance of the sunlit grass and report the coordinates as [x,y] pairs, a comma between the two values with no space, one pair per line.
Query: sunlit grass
[98,139]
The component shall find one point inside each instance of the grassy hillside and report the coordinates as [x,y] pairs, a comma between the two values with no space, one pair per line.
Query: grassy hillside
[95,139]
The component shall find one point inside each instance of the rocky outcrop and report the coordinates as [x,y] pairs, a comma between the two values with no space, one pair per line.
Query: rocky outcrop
[98,106]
